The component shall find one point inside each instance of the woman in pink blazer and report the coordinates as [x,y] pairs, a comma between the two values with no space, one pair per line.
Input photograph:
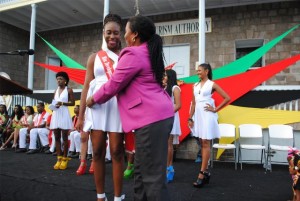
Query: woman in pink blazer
[144,105]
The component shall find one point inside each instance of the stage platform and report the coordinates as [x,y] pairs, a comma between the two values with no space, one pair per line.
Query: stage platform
[26,177]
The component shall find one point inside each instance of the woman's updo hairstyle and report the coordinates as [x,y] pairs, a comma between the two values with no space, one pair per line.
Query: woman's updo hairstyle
[207,66]
[146,32]
[112,18]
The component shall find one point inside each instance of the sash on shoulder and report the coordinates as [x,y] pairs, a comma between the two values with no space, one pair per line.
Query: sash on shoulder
[106,63]
[40,119]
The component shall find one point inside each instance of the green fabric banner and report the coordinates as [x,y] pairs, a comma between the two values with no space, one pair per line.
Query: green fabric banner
[67,60]
[243,64]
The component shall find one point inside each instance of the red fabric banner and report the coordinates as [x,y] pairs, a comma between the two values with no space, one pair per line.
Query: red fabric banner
[77,75]
[240,84]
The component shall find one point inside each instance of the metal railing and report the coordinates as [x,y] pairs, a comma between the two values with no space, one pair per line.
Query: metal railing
[290,105]
[23,101]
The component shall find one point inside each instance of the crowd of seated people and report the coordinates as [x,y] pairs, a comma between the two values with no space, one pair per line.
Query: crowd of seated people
[27,130]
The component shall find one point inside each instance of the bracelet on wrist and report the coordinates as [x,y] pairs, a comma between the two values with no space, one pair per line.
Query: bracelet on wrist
[190,119]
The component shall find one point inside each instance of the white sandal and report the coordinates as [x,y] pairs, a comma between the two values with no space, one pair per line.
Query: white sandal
[102,195]
[120,198]
[2,148]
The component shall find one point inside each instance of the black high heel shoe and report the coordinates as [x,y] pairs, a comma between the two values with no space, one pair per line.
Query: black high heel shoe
[205,180]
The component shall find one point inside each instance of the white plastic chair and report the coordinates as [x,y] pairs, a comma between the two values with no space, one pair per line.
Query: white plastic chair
[253,133]
[285,139]
[227,131]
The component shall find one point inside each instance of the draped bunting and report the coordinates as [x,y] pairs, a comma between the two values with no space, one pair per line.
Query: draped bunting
[230,77]
[235,86]
[244,63]
[77,75]
[67,60]
[244,82]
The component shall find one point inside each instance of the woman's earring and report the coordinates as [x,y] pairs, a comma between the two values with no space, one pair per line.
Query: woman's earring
[133,39]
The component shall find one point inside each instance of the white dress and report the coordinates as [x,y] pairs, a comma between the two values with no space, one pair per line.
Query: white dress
[205,122]
[61,117]
[176,130]
[105,117]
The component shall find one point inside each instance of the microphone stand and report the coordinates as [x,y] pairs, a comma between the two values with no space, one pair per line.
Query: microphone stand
[13,53]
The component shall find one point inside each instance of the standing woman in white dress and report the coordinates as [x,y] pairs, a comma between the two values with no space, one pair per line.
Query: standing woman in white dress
[103,119]
[170,81]
[61,121]
[203,116]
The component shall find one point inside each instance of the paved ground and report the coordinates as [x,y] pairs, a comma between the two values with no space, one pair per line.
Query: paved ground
[31,178]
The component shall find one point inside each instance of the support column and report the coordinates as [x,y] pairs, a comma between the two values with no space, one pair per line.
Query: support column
[31,46]
[31,57]
[106,8]
[105,12]
[201,32]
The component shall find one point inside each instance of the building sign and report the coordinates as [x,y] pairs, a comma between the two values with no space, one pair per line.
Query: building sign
[181,27]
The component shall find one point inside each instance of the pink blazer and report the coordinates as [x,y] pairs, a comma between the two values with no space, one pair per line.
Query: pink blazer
[141,100]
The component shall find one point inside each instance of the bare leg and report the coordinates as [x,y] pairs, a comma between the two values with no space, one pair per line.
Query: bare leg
[205,156]
[7,141]
[66,143]
[16,137]
[84,136]
[130,159]
[297,195]
[57,133]
[170,151]
[99,144]
[117,156]
[84,145]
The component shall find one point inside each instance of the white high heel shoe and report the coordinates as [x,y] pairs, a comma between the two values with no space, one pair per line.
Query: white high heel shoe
[2,148]
[102,195]
[120,198]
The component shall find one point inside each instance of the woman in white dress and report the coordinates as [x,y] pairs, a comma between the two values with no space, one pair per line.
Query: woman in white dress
[61,121]
[104,118]
[170,81]
[203,117]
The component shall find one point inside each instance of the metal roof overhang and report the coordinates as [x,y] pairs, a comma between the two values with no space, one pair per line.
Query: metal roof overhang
[58,14]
